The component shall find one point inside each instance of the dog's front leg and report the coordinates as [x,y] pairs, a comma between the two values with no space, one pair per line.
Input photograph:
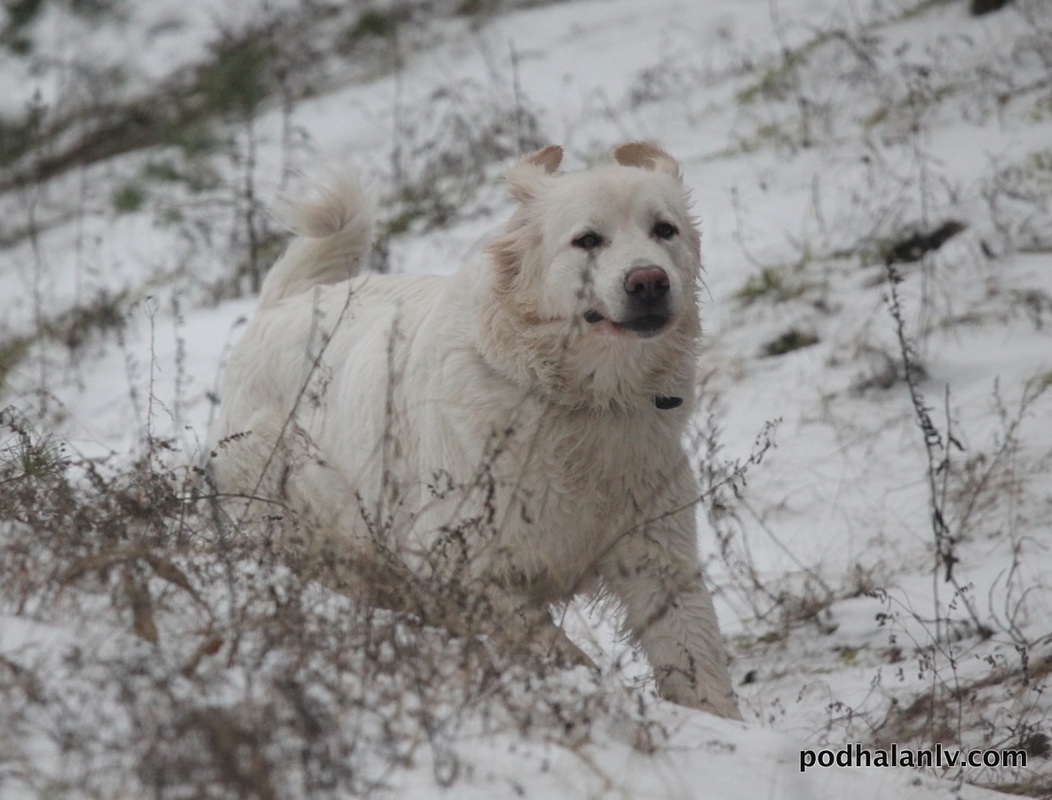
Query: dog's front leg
[668,610]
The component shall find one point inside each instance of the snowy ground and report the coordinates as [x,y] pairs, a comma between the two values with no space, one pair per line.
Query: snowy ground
[817,135]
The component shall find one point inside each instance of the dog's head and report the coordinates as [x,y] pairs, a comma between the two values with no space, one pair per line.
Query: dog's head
[598,272]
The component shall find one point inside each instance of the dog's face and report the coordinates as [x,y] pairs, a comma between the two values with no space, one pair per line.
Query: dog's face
[598,271]
[619,251]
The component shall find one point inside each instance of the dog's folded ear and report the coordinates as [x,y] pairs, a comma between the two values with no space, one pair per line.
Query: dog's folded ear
[647,156]
[530,172]
[549,157]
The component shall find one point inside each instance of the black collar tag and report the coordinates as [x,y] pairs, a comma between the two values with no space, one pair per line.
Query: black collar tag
[665,402]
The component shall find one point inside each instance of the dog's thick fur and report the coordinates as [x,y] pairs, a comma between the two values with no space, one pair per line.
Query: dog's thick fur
[511,430]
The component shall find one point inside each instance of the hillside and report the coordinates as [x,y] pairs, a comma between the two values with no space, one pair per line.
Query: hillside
[874,184]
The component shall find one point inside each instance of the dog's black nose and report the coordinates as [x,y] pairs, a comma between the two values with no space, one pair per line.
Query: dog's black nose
[647,283]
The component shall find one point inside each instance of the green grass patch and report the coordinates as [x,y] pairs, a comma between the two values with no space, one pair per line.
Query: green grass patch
[195,173]
[792,339]
[923,7]
[72,329]
[231,85]
[776,284]
[18,134]
[27,456]
[237,78]
[775,80]
[1039,384]
[379,24]
[471,8]
[129,198]
[12,351]
[372,25]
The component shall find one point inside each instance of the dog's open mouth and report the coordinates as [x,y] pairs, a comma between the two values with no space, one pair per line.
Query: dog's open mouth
[643,325]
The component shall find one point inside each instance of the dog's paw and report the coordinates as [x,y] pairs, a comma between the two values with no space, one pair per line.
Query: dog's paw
[679,689]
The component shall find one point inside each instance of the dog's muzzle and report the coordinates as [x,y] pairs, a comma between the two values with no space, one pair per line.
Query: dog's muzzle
[647,291]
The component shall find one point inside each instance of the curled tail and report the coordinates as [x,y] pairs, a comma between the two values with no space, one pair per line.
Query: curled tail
[333,236]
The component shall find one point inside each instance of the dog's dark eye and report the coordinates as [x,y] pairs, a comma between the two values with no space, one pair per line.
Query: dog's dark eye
[664,230]
[588,241]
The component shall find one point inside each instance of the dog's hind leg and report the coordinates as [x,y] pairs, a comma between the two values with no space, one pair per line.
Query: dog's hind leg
[279,488]
[249,465]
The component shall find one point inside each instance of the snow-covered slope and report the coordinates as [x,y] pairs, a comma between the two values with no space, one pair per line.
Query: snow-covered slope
[823,141]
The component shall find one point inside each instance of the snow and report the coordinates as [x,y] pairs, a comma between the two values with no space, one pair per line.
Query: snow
[836,517]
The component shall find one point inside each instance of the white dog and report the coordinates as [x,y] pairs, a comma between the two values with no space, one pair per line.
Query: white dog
[512,431]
